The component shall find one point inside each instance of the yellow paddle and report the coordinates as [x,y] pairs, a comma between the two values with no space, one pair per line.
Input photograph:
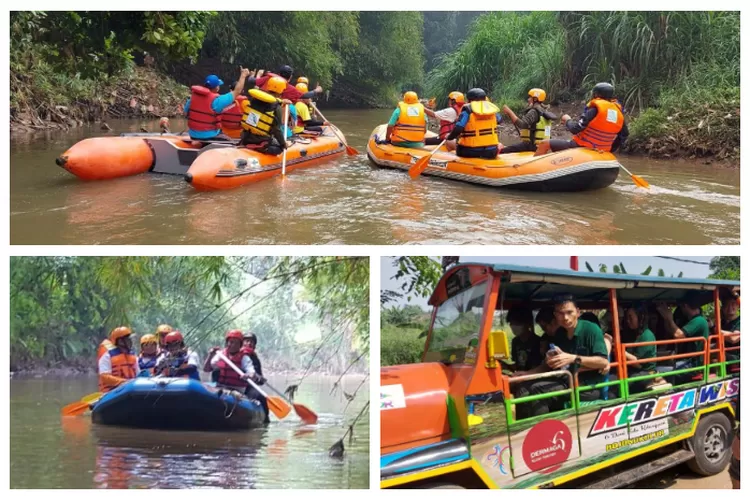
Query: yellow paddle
[349,150]
[276,405]
[638,181]
[80,407]
[423,162]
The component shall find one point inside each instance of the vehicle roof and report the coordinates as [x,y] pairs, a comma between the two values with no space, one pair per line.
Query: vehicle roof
[540,284]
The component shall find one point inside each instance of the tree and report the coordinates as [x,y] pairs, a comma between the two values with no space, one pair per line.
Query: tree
[727,268]
[418,275]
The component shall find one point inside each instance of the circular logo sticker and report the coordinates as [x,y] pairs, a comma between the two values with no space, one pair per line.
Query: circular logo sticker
[548,443]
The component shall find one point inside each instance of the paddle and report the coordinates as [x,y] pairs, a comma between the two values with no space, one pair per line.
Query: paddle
[638,181]
[423,162]
[303,412]
[276,405]
[80,407]
[349,150]
[286,131]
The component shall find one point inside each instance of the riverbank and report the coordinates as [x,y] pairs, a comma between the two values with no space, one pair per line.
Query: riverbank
[139,92]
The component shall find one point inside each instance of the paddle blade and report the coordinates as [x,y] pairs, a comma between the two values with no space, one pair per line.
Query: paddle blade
[93,397]
[640,181]
[306,414]
[278,407]
[419,167]
[351,151]
[75,409]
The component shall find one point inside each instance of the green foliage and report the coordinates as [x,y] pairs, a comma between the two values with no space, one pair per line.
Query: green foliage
[620,269]
[443,31]
[418,275]
[726,268]
[400,346]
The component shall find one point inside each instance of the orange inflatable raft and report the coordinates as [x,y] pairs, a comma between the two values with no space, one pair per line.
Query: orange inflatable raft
[576,169]
[226,168]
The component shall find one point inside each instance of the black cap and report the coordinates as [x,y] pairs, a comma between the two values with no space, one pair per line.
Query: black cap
[286,71]
[604,90]
[476,94]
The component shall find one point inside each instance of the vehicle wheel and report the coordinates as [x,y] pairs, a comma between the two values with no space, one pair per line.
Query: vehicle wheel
[712,445]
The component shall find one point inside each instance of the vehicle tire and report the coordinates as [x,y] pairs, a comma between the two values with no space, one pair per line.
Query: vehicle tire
[712,445]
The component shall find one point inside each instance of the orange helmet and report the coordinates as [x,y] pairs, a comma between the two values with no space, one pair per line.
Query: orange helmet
[174,336]
[234,334]
[538,94]
[276,85]
[119,332]
[303,79]
[457,96]
[411,97]
[148,339]
[302,87]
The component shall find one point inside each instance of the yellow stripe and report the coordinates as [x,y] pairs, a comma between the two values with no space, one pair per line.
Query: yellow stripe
[418,476]
[639,451]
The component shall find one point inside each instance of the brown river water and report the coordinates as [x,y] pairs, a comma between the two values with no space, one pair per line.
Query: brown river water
[349,201]
[49,451]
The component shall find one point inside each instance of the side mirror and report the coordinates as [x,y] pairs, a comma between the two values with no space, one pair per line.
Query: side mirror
[497,348]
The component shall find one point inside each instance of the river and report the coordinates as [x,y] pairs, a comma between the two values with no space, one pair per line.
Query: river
[49,451]
[348,201]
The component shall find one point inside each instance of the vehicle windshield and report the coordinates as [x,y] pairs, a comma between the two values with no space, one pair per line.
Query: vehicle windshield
[455,332]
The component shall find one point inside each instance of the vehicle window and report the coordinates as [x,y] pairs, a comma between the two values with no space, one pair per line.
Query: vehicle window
[455,332]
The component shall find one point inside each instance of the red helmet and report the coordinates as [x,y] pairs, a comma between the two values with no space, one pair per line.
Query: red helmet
[234,334]
[174,336]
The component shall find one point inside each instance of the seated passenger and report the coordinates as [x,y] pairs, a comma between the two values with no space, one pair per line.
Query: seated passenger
[447,117]
[289,92]
[476,128]
[694,325]
[730,322]
[205,105]
[304,121]
[578,344]
[591,318]
[231,117]
[249,343]
[636,331]
[161,333]
[148,355]
[118,364]
[263,119]
[601,126]
[408,124]
[545,318]
[526,346]
[178,360]
[534,125]
[228,377]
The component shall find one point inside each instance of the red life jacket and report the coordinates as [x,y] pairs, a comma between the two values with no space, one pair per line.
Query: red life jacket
[446,127]
[231,118]
[200,117]
[227,375]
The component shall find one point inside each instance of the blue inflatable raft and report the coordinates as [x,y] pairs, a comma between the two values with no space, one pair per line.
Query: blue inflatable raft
[176,403]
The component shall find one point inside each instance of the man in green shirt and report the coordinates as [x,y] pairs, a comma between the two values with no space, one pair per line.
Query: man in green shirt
[637,331]
[578,344]
[694,327]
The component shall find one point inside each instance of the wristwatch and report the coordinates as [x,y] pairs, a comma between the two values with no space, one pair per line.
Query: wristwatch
[578,361]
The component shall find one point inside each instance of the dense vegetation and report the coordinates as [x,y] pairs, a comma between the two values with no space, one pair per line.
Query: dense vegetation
[310,314]
[677,72]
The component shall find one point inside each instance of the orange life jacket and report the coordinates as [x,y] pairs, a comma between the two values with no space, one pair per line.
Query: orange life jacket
[231,118]
[227,375]
[481,129]
[123,367]
[411,124]
[602,131]
[446,127]
[200,117]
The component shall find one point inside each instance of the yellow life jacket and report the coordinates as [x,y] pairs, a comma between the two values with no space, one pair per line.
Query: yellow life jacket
[481,129]
[259,113]
[542,128]
[411,124]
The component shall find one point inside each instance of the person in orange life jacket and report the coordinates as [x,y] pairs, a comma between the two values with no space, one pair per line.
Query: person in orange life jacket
[447,117]
[161,334]
[534,125]
[290,92]
[601,126]
[118,364]
[476,127]
[232,350]
[408,123]
[249,342]
[178,360]
[231,117]
[148,355]
[263,119]
[304,120]
[205,105]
